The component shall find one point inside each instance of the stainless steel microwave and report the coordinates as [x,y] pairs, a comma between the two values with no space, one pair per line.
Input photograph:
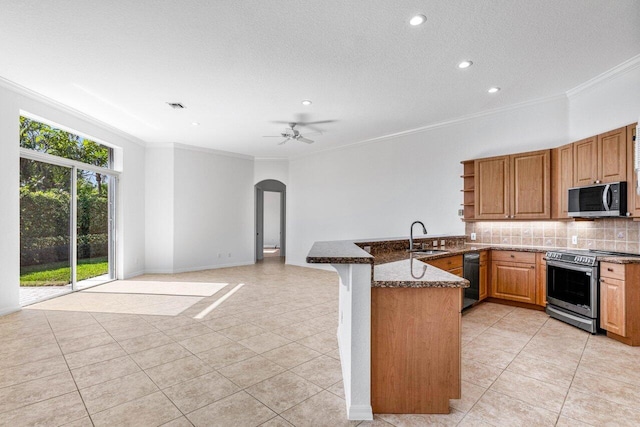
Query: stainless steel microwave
[598,200]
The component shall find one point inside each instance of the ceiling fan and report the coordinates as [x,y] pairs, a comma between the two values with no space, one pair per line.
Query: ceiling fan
[292,133]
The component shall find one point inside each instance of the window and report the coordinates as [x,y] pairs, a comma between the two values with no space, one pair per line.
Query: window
[67,212]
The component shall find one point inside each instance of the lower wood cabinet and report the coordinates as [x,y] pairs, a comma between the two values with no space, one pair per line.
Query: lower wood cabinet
[484,275]
[513,276]
[541,280]
[619,301]
[452,264]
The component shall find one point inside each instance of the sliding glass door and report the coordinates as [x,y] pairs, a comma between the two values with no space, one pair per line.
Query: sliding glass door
[67,212]
[45,230]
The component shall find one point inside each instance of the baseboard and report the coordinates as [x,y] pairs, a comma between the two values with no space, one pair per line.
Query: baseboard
[133,274]
[200,268]
[9,310]
[359,412]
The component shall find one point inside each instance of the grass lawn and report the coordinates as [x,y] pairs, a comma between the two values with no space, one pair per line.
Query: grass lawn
[59,273]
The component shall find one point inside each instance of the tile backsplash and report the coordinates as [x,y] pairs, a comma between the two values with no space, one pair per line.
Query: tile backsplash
[620,234]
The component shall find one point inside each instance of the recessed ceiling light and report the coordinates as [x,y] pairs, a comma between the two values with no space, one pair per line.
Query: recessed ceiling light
[306,102]
[417,20]
[465,64]
[493,89]
[195,123]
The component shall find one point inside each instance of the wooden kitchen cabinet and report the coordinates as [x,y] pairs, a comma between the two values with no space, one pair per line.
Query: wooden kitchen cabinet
[601,158]
[484,276]
[619,301]
[492,188]
[513,187]
[585,161]
[561,180]
[612,156]
[541,280]
[633,199]
[513,276]
[452,264]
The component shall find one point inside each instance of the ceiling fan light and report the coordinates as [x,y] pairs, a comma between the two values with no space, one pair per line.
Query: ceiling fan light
[417,20]
[306,102]
[494,89]
[465,64]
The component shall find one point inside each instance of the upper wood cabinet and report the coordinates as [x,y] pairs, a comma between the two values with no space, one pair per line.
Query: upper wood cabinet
[585,163]
[633,199]
[561,180]
[492,188]
[513,187]
[600,159]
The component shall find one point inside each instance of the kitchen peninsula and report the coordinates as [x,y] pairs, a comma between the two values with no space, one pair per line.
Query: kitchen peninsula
[399,326]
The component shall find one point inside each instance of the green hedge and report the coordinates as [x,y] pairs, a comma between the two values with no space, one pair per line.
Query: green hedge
[45,222]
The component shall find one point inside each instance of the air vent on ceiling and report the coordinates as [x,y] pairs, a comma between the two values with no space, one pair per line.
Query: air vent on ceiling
[176,105]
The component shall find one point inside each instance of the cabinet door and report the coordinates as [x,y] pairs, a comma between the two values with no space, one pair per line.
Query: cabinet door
[514,281]
[530,195]
[561,180]
[492,188]
[483,281]
[612,306]
[612,156]
[585,162]
[633,199]
[541,280]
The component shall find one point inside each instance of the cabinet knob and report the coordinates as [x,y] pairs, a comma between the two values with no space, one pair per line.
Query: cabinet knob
[506,216]
[512,256]
[609,269]
[533,266]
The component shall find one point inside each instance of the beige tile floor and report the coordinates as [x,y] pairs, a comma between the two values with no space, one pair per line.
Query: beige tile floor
[268,356]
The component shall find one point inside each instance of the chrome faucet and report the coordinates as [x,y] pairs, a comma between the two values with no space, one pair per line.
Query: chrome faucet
[411,233]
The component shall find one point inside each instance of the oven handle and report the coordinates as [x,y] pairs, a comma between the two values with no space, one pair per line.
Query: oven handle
[569,266]
[605,197]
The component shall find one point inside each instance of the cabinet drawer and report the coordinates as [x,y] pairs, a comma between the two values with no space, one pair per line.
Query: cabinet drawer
[448,263]
[614,271]
[514,256]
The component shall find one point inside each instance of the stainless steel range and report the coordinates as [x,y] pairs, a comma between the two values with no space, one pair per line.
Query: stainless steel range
[573,286]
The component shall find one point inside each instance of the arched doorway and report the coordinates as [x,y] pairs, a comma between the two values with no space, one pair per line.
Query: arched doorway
[271,202]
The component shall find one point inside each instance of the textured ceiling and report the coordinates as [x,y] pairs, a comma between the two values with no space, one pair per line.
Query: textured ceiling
[239,65]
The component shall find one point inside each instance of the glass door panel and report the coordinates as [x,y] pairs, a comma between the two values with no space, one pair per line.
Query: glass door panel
[45,230]
[94,220]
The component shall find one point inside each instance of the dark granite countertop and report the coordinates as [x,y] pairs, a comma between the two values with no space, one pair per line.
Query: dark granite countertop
[411,273]
[396,267]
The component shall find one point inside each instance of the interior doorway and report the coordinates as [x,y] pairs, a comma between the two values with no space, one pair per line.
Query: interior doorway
[270,220]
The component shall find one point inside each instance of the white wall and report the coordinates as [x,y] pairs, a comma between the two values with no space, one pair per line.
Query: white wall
[271,169]
[159,209]
[9,203]
[606,105]
[378,189]
[131,233]
[271,218]
[214,210]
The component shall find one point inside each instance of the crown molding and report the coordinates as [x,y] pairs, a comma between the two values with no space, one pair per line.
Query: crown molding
[437,125]
[21,90]
[618,70]
[212,151]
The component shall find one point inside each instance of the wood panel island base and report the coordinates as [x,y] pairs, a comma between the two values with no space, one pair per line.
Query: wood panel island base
[398,330]
[415,349]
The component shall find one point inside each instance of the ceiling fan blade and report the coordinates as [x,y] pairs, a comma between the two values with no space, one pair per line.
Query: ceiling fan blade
[280,143]
[307,140]
[319,122]
[272,136]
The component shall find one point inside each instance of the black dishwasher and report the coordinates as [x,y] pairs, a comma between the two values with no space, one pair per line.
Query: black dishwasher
[472,274]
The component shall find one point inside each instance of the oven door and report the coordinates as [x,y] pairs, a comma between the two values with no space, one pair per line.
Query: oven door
[573,287]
